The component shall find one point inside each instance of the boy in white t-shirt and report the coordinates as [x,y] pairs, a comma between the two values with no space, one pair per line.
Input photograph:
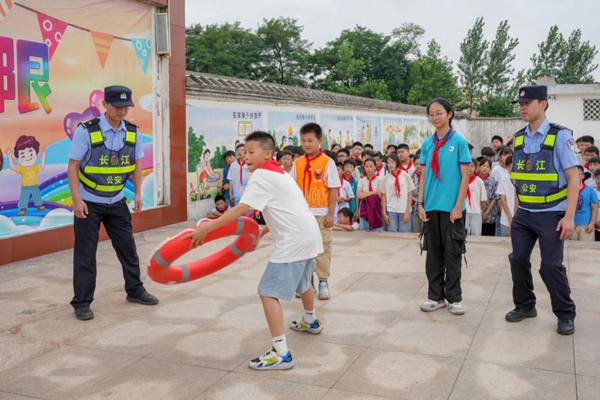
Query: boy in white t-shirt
[297,243]
[345,192]
[476,196]
[238,176]
[506,190]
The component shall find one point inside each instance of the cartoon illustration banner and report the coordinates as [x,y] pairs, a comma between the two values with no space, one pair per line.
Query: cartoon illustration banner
[285,126]
[337,129]
[368,130]
[412,131]
[55,59]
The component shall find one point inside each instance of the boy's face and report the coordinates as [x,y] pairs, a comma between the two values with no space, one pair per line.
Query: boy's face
[341,157]
[496,143]
[229,159]
[349,169]
[286,161]
[593,167]
[356,150]
[583,145]
[27,157]
[403,155]
[343,219]
[256,155]
[240,153]
[221,205]
[369,167]
[310,144]
[588,155]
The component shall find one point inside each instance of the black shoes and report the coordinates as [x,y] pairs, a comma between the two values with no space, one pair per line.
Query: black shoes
[518,315]
[565,327]
[144,298]
[84,313]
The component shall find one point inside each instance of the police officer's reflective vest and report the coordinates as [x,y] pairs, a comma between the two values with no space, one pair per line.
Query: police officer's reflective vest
[107,171]
[534,175]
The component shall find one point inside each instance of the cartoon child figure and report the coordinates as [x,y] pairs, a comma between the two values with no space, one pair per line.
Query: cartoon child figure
[22,160]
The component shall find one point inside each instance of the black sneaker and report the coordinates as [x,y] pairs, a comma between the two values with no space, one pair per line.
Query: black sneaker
[144,298]
[518,315]
[565,327]
[84,313]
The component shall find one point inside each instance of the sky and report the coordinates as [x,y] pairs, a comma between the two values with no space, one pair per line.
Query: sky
[445,21]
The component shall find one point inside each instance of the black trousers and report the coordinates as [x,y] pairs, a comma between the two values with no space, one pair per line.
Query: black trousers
[527,228]
[488,229]
[445,245]
[117,222]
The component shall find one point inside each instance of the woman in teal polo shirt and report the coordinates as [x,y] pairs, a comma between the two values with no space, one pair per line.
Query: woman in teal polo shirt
[445,157]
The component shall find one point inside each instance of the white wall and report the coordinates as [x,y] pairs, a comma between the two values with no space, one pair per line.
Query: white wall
[567,110]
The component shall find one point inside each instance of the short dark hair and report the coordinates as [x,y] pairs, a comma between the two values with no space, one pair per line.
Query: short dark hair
[393,146]
[284,153]
[352,162]
[369,160]
[346,152]
[312,127]
[347,212]
[265,139]
[592,149]
[335,144]
[339,164]
[504,150]
[297,150]
[497,137]
[329,154]
[368,145]
[403,146]
[594,160]
[357,144]
[228,153]
[219,197]
[378,154]
[24,142]
[597,172]
[487,151]
[585,139]
[366,153]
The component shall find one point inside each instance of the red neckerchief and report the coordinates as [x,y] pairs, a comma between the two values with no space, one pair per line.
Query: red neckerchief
[397,181]
[241,171]
[579,199]
[379,168]
[407,168]
[471,179]
[272,166]
[349,180]
[308,170]
[435,167]
[226,208]
[586,166]
[371,182]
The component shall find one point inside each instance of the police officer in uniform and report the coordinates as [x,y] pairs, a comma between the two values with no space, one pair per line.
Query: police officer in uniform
[544,172]
[105,152]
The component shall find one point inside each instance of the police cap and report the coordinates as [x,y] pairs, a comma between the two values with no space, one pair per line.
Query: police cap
[118,96]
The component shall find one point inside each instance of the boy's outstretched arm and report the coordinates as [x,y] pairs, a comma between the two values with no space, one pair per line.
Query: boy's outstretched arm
[230,215]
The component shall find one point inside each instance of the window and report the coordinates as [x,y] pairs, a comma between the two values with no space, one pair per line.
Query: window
[591,109]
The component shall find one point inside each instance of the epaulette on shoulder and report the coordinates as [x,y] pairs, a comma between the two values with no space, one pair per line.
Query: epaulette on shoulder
[91,123]
[559,127]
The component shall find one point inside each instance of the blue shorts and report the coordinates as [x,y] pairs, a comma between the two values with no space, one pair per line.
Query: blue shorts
[283,280]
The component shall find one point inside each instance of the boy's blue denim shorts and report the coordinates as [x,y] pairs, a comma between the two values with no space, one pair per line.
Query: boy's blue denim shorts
[283,280]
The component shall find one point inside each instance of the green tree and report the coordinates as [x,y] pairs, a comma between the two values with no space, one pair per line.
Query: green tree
[498,71]
[284,54]
[431,76]
[226,49]
[196,146]
[471,64]
[567,61]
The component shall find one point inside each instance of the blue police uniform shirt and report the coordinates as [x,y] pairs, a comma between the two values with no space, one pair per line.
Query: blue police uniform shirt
[441,195]
[80,150]
[583,214]
[565,156]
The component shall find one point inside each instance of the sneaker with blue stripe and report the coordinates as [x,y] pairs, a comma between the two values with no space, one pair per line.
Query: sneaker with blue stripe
[300,326]
[271,360]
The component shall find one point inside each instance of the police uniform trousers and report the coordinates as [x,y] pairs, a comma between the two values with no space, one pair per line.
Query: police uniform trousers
[445,245]
[117,222]
[527,228]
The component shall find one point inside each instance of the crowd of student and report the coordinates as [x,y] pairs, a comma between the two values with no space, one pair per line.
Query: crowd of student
[378,191]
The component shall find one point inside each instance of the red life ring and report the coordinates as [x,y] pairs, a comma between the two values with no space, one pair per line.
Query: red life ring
[161,269]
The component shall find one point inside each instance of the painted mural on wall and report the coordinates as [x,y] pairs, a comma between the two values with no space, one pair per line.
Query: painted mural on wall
[368,130]
[55,59]
[412,131]
[285,126]
[337,129]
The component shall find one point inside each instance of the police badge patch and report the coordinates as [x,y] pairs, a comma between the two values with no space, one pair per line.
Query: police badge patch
[572,146]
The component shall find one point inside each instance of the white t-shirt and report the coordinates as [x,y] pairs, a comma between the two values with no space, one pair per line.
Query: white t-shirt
[346,192]
[238,185]
[382,172]
[411,170]
[499,172]
[332,180]
[478,194]
[293,227]
[506,188]
[388,188]
[363,184]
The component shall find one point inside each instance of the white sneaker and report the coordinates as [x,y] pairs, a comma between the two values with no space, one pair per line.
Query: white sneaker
[456,308]
[324,290]
[432,305]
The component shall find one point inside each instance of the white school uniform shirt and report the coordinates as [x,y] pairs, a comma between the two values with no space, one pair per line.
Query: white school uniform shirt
[363,184]
[238,182]
[382,172]
[506,188]
[292,226]
[411,170]
[388,189]
[346,192]
[478,194]
[499,172]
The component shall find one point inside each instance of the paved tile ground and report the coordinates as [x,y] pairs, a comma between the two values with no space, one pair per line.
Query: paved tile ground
[376,343]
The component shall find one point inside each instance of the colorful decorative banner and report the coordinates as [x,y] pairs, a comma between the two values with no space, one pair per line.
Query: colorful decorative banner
[52,31]
[102,41]
[143,49]
[5,7]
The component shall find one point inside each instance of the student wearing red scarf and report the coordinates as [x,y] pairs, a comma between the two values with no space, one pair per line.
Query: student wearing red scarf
[369,198]
[396,189]
[445,158]
[476,196]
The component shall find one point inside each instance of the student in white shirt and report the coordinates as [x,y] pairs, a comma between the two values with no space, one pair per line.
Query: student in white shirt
[396,199]
[297,242]
[238,176]
[502,169]
[506,190]
[476,196]
[406,164]
[345,192]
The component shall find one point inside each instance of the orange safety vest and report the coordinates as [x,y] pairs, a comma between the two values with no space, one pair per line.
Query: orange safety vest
[313,182]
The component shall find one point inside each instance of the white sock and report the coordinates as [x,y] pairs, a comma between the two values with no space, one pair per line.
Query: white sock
[309,316]
[280,345]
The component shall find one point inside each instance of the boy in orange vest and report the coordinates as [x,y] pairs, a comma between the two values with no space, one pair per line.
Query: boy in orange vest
[317,176]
